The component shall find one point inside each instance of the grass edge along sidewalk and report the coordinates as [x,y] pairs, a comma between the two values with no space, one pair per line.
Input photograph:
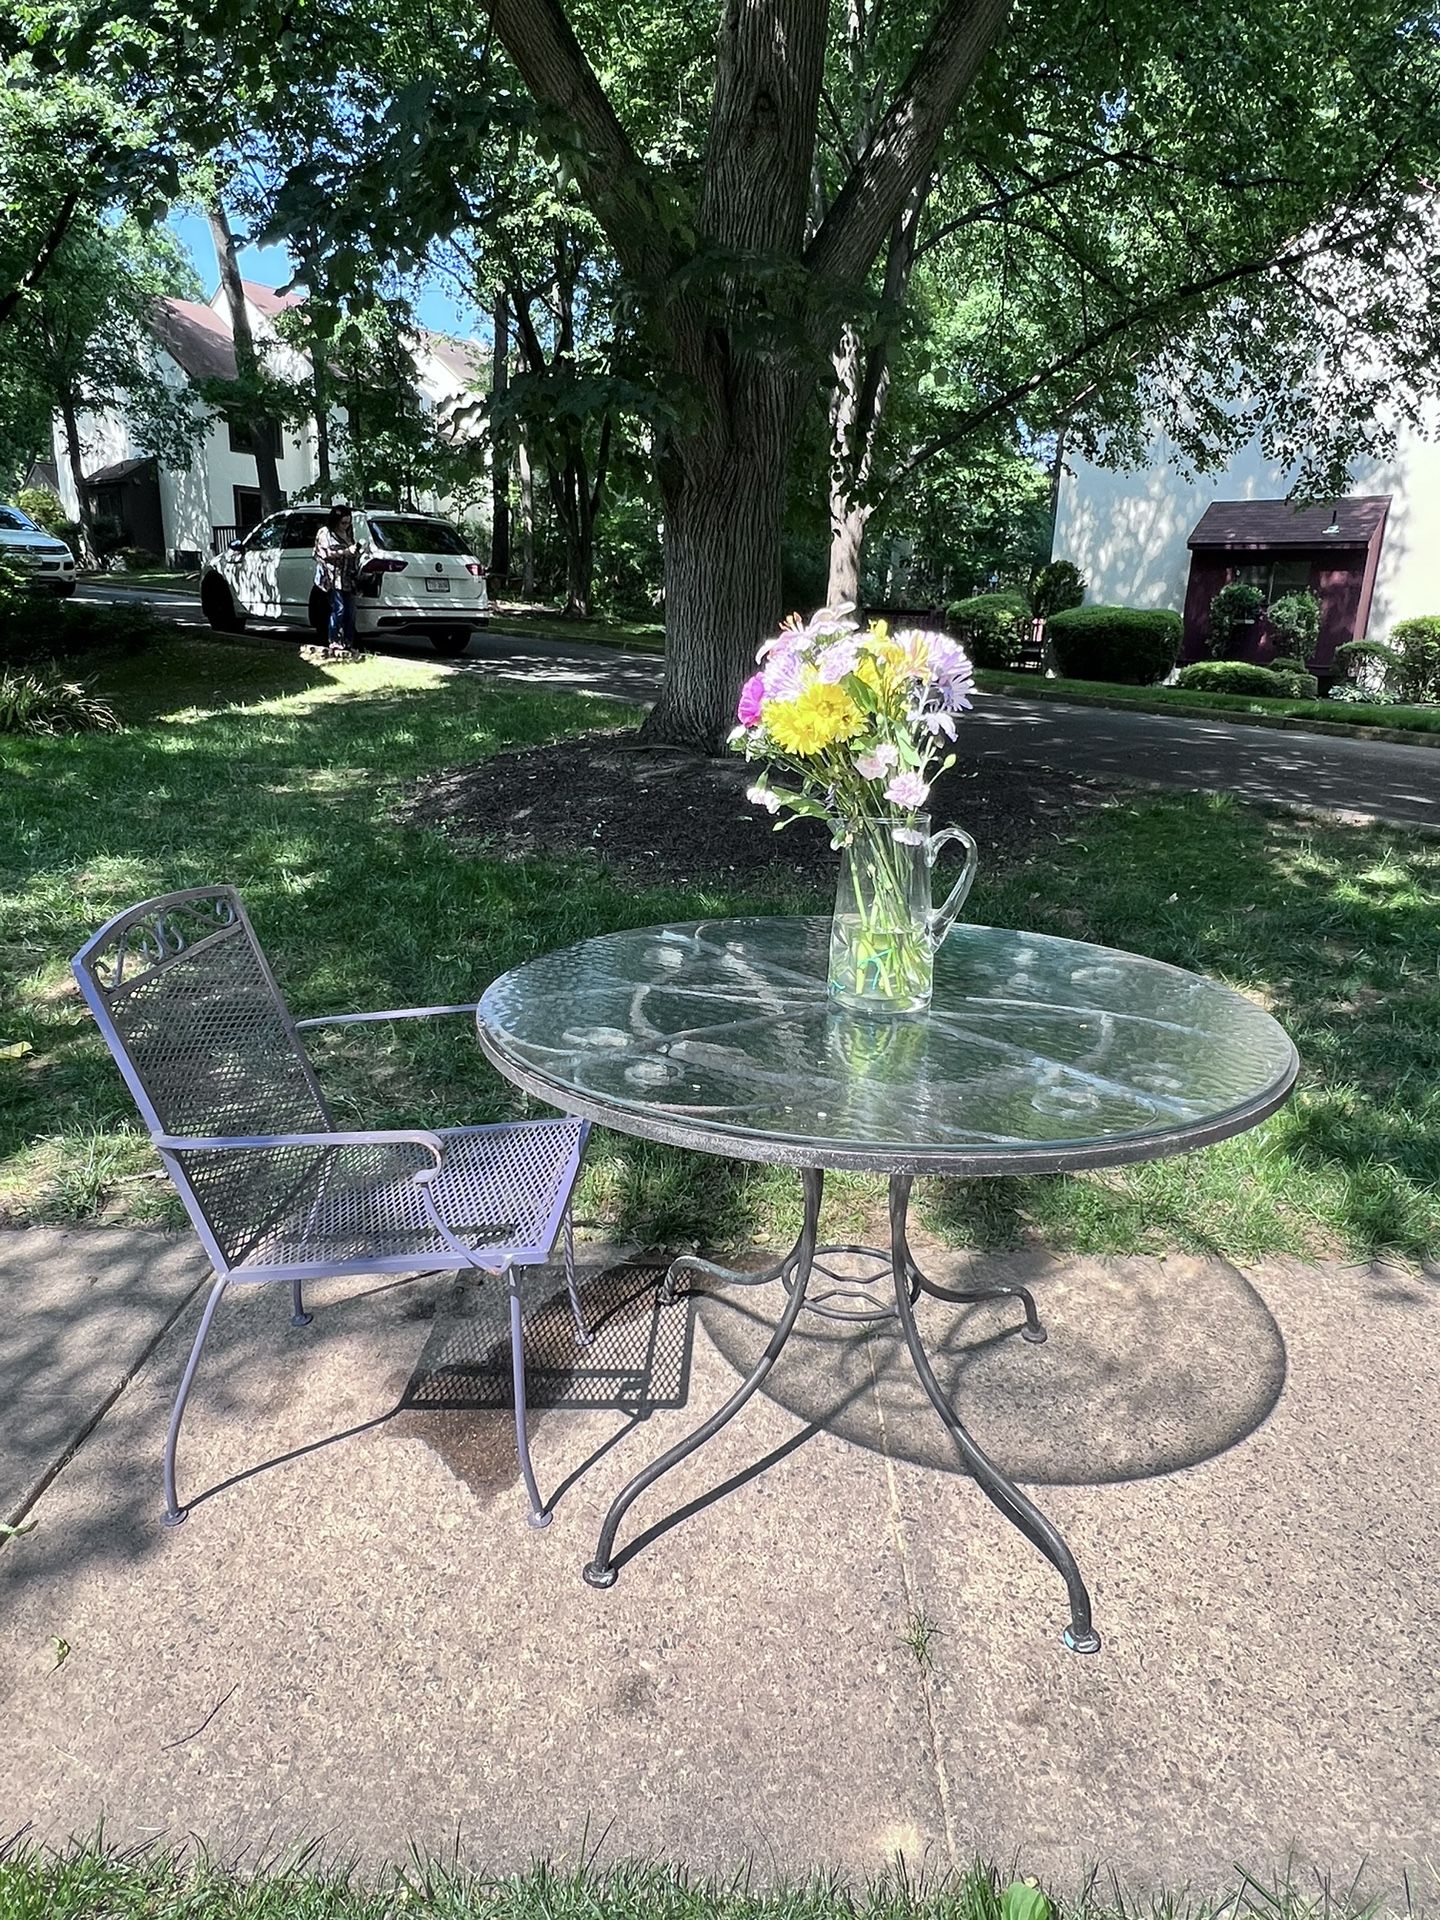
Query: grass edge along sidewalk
[1420,728]
[90,1879]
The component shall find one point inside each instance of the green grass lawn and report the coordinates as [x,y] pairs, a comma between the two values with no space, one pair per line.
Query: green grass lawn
[636,636]
[255,766]
[96,1883]
[1035,686]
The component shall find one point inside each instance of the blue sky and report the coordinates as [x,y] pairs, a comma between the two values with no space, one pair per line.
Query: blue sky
[270,266]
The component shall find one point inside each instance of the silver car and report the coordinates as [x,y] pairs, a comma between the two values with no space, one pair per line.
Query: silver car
[49,562]
[416,575]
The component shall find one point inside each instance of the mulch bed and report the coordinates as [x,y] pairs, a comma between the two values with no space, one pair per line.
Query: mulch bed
[666,816]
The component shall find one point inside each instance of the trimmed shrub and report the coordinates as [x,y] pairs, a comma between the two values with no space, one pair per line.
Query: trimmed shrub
[1348,694]
[993,628]
[1234,676]
[1056,588]
[1235,606]
[42,704]
[1294,622]
[139,559]
[1131,646]
[1303,684]
[1416,676]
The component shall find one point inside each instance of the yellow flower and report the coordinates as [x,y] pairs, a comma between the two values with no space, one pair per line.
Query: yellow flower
[813,720]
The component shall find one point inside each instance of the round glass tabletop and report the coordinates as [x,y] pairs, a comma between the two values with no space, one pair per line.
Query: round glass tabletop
[1037,1054]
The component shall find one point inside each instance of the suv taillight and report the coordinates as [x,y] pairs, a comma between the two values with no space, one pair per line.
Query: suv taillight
[371,571]
[474,566]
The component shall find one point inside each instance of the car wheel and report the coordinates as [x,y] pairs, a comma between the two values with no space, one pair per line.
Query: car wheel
[217,603]
[449,642]
[64,590]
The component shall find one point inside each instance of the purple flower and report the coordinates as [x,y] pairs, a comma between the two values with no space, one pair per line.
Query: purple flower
[838,659]
[907,790]
[751,696]
[782,678]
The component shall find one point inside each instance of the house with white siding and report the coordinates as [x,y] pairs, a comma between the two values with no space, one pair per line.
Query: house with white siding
[1155,538]
[187,512]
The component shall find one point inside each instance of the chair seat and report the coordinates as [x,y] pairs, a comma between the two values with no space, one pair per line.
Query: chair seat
[501,1191]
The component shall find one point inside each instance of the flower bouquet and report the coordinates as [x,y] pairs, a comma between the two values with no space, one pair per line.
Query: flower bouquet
[861,719]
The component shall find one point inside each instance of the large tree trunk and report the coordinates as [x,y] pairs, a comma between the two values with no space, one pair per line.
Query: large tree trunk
[499,465]
[247,363]
[722,494]
[74,459]
[723,484]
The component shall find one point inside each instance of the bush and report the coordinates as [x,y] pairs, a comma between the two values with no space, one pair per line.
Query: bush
[993,628]
[1133,646]
[139,559]
[1234,676]
[43,704]
[34,627]
[1236,605]
[1303,684]
[107,536]
[1294,622]
[1056,588]
[44,507]
[1349,694]
[1416,675]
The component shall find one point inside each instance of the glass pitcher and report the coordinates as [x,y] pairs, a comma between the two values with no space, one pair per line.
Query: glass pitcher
[887,928]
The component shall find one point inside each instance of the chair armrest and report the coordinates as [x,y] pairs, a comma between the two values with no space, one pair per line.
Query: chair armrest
[387,1013]
[382,1137]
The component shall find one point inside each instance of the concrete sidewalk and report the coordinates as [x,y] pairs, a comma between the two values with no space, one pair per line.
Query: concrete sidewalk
[356,1635]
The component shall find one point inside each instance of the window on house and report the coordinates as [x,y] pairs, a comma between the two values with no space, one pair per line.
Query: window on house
[1276,578]
[243,432]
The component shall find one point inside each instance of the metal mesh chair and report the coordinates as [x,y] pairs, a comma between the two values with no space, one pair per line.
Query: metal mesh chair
[276,1191]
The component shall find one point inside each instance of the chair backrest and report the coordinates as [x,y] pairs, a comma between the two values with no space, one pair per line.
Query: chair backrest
[192,1013]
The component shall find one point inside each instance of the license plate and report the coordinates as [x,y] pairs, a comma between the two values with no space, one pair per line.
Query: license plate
[437,586]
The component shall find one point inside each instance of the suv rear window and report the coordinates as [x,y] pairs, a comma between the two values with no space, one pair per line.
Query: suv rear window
[416,536]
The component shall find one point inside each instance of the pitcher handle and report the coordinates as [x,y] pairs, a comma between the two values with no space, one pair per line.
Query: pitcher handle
[943,917]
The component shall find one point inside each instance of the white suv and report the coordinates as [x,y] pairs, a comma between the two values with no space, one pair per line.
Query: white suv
[49,562]
[416,576]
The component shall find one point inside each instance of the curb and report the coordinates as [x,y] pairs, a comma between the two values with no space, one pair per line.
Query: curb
[1278,722]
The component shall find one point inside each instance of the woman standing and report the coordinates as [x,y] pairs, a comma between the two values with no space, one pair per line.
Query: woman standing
[336,567]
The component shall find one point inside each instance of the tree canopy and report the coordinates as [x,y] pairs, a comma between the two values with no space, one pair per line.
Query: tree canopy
[944,231]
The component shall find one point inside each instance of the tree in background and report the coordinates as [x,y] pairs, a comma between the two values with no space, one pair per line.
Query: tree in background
[81,342]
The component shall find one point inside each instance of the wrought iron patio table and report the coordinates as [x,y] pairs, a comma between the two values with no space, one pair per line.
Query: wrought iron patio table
[1038,1055]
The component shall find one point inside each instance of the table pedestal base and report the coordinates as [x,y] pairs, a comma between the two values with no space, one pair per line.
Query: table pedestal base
[846,1297]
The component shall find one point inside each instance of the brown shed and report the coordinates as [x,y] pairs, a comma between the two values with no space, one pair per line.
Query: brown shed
[1333,551]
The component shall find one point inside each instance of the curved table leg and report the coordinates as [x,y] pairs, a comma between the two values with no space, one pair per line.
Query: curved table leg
[1080,1636]
[1033,1329]
[602,1571]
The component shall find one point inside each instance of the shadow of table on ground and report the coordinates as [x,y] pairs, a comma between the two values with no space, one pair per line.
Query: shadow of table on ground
[1148,1368]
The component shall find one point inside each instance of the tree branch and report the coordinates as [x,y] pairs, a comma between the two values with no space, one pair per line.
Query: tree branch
[1176,298]
[901,150]
[51,245]
[618,185]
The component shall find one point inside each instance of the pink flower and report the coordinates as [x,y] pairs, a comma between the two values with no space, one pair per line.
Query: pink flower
[907,790]
[875,766]
[752,695]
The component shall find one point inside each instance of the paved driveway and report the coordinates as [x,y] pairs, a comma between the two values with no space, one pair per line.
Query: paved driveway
[1390,782]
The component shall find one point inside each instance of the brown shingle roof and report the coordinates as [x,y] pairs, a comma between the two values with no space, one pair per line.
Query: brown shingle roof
[267,300]
[196,338]
[1277,523]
